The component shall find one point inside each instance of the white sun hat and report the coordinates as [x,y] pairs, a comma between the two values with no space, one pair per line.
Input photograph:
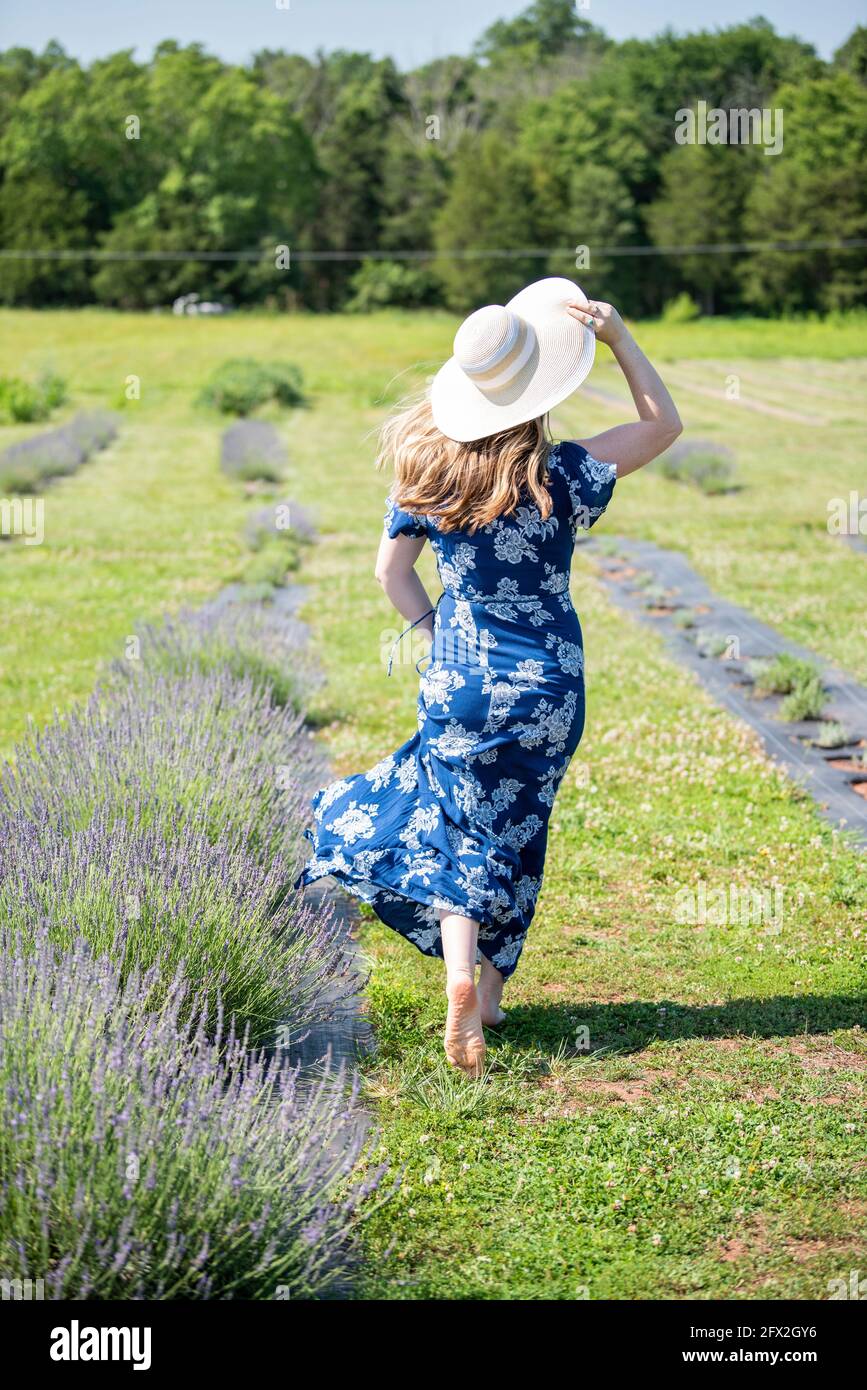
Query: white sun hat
[513,362]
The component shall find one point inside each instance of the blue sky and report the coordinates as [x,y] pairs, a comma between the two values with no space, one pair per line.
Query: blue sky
[411,31]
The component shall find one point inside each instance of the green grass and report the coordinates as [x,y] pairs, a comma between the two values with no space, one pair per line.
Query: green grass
[709,1045]
[708,1140]
[152,525]
[764,545]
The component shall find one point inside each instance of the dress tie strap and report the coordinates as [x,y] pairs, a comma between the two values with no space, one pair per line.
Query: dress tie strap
[401,635]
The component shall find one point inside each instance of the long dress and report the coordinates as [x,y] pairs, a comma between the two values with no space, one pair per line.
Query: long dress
[457,817]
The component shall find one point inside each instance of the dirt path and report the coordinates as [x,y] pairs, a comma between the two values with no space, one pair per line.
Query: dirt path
[713,393]
[829,775]
[682,384]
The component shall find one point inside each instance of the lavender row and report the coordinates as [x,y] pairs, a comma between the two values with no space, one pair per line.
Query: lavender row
[254,642]
[29,464]
[181,907]
[148,844]
[163,820]
[143,1157]
[203,747]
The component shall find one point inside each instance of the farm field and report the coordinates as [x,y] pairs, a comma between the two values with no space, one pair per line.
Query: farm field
[153,524]
[673,1109]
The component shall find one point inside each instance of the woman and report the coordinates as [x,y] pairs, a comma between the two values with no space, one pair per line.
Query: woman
[446,837]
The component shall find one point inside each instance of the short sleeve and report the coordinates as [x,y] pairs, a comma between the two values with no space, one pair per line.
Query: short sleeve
[590,482]
[397,522]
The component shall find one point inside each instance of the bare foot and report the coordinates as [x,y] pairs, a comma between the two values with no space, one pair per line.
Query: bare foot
[490,992]
[464,1039]
[492,1015]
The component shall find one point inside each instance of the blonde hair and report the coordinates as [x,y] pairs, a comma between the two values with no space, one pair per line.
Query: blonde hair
[464,485]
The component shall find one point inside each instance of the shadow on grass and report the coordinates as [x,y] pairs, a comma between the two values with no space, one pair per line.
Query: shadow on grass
[325,715]
[628,1027]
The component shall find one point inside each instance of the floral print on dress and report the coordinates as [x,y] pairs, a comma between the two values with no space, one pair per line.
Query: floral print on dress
[456,819]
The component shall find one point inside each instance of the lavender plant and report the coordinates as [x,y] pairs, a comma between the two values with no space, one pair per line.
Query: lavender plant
[267,568]
[276,535]
[702,463]
[140,1159]
[252,450]
[244,639]
[148,843]
[283,520]
[27,401]
[29,464]
[25,466]
[240,386]
[92,430]
[182,906]
[204,748]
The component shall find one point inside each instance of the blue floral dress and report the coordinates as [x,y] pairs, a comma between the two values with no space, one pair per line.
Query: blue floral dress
[457,817]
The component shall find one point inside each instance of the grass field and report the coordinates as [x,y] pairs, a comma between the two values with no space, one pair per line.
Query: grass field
[709,1142]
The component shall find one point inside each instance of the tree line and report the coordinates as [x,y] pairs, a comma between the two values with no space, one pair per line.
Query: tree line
[550,149]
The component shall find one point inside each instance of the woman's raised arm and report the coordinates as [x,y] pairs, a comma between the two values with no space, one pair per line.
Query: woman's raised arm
[630,446]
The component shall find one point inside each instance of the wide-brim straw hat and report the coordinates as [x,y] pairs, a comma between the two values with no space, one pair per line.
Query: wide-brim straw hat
[513,362]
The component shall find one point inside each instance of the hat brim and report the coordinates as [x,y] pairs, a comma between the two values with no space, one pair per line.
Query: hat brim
[561,359]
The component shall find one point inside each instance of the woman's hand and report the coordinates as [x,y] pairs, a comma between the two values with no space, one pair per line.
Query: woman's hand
[658,425]
[602,318]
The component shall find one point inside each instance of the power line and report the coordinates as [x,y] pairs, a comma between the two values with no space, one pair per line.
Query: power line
[721,248]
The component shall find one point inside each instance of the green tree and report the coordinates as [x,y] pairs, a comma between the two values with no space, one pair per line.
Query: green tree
[71,128]
[439,111]
[244,179]
[814,190]
[700,204]
[739,66]
[852,55]
[21,69]
[590,165]
[549,136]
[599,212]
[37,216]
[351,149]
[575,127]
[543,30]
[489,208]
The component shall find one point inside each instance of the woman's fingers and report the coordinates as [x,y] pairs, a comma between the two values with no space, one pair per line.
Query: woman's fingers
[581,314]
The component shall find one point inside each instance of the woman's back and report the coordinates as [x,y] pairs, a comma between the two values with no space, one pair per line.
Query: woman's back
[518,566]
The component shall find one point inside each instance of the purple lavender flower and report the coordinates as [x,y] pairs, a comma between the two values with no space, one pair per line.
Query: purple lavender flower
[278,519]
[204,747]
[252,449]
[262,643]
[148,844]
[188,907]
[284,1211]
[27,465]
